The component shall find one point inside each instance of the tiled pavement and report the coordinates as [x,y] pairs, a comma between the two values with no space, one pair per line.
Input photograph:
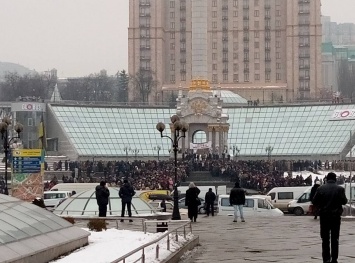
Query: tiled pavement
[287,239]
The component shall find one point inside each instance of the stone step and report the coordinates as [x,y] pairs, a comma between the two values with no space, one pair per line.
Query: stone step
[208,183]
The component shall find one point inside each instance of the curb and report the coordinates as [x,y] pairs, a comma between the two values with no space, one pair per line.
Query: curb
[175,256]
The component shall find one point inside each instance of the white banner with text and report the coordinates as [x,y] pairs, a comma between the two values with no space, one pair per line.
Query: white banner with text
[339,115]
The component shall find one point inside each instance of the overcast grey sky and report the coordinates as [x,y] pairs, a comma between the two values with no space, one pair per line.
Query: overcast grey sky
[79,37]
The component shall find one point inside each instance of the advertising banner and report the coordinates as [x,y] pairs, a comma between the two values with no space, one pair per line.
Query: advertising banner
[27,173]
[340,115]
[200,146]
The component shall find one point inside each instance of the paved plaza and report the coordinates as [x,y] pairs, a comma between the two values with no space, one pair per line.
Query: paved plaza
[287,239]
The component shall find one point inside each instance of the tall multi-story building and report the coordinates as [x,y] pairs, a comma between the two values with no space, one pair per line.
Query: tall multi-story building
[338,34]
[261,49]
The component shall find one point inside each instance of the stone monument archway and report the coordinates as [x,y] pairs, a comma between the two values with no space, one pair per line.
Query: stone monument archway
[202,110]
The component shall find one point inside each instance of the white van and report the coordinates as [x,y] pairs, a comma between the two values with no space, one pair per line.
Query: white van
[52,198]
[254,206]
[301,205]
[281,196]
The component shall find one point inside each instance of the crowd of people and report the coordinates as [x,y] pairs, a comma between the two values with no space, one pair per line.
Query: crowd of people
[261,175]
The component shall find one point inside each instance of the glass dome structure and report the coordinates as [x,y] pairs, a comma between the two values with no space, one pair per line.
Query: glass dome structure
[231,98]
[84,204]
[29,233]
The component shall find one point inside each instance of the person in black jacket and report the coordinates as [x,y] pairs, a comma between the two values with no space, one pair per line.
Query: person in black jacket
[330,199]
[237,200]
[192,201]
[315,209]
[126,193]
[102,194]
[210,197]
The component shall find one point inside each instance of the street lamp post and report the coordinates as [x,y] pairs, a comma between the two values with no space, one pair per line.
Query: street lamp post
[135,151]
[178,127]
[126,149]
[4,130]
[236,151]
[157,148]
[268,150]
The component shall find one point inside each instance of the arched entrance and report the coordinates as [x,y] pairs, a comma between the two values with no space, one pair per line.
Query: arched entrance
[199,137]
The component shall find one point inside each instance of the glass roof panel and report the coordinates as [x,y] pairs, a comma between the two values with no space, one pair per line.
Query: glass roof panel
[135,127]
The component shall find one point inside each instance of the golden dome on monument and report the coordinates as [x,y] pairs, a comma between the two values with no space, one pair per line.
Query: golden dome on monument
[200,84]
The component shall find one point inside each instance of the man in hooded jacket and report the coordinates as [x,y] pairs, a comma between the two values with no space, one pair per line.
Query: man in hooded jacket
[102,195]
[237,200]
[126,193]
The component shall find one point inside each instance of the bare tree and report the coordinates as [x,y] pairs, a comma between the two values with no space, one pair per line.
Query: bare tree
[143,83]
[95,87]
[29,85]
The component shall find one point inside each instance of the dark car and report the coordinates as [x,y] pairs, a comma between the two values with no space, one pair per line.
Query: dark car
[201,208]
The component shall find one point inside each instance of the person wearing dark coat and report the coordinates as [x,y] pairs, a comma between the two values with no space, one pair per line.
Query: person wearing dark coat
[102,195]
[237,200]
[315,209]
[330,199]
[210,197]
[126,193]
[192,201]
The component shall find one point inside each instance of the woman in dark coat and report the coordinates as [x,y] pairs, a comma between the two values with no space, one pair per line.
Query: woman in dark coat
[315,209]
[192,202]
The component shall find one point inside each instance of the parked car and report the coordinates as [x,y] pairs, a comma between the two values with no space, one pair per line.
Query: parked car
[254,206]
[157,205]
[201,208]
[52,198]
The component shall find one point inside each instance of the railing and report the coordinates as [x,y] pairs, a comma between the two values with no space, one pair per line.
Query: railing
[109,218]
[166,234]
[108,103]
[95,212]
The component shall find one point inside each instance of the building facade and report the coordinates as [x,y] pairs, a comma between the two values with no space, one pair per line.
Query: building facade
[261,49]
[338,34]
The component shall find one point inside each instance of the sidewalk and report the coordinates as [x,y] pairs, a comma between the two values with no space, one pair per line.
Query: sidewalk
[284,239]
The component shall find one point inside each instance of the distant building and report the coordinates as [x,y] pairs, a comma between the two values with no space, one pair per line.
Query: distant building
[338,34]
[262,49]
[332,56]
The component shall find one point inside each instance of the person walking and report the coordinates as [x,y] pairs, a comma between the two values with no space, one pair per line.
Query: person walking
[102,194]
[126,193]
[330,198]
[314,209]
[210,197]
[192,201]
[237,200]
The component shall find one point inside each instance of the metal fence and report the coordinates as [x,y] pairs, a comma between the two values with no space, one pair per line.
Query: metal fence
[179,228]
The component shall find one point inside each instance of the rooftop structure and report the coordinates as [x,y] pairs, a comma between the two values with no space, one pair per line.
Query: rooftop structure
[33,234]
[85,204]
[297,131]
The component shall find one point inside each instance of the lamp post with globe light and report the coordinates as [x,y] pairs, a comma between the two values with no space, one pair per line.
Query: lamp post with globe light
[236,151]
[158,148]
[179,129]
[4,130]
[127,149]
[269,150]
